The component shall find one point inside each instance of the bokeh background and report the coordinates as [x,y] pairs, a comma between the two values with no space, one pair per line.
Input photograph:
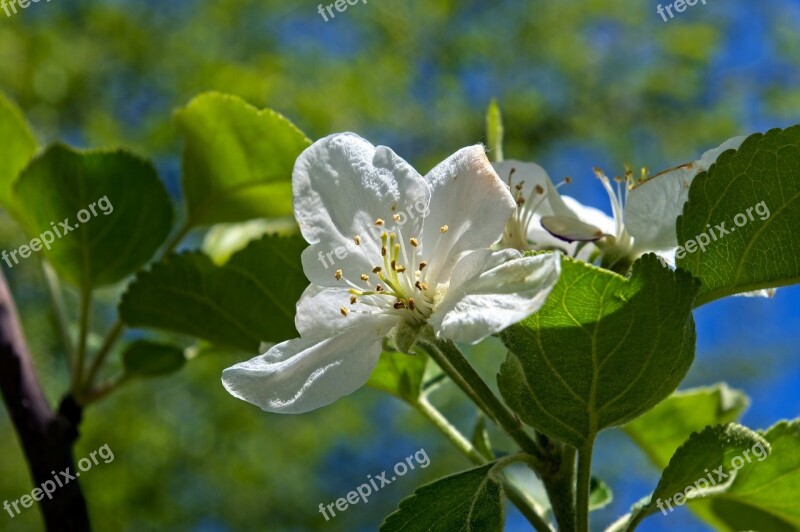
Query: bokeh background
[581,83]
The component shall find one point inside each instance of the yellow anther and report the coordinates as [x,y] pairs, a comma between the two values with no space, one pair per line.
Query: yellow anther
[379,221]
[379,288]
[394,265]
[338,274]
[422,265]
[353,300]
[344,311]
[411,303]
[357,240]
[539,189]
[396,217]
[421,286]
[383,251]
[377,269]
[399,305]
[401,269]
[364,277]
[443,229]
[414,242]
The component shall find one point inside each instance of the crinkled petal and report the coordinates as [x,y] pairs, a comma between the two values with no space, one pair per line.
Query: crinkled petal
[308,373]
[470,200]
[491,291]
[342,184]
[654,205]
[319,311]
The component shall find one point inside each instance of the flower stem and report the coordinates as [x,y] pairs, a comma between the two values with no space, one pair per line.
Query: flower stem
[460,442]
[80,350]
[452,362]
[583,485]
[105,349]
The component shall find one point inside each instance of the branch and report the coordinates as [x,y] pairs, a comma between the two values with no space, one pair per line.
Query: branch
[46,437]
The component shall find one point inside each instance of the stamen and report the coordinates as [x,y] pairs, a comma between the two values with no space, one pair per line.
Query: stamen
[421,286]
[400,269]
[338,275]
[414,242]
[396,217]
[344,311]
[364,277]
[353,300]
[379,288]
[379,221]
[399,305]
[539,189]
[422,265]
[358,240]
[377,269]
[383,251]
[443,229]
[411,303]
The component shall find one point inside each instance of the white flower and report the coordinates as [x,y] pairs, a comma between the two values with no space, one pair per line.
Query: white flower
[369,279]
[644,212]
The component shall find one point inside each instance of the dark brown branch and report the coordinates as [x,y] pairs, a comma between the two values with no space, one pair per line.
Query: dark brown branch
[47,438]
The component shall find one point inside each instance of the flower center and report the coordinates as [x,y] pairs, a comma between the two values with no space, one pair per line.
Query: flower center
[515,234]
[396,285]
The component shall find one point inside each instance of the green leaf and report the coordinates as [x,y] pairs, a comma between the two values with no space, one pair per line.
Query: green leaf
[237,161]
[149,359]
[494,131]
[602,350]
[663,429]
[764,495]
[17,148]
[707,464]
[600,494]
[113,202]
[399,374]
[468,501]
[755,193]
[249,300]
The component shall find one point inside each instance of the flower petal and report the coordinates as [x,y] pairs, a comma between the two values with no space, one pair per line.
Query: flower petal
[319,311]
[654,205]
[470,206]
[571,229]
[342,184]
[491,291]
[531,175]
[308,373]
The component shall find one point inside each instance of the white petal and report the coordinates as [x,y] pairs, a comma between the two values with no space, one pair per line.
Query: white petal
[308,373]
[571,229]
[654,205]
[319,311]
[591,215]
[473,203]
[342,184]
[531,175]
[491,291]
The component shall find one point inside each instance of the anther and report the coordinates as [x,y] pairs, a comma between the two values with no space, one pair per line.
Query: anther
[414,242]
[379,288]
[422,265]
[379,221]
[411,303]
[383,251]
[396,217]
[353,300]
[443,229]
[358,240]
[377,269]
[344,311]
[400,269]
[539,189]
[338,274]
[364,277]
[399,305]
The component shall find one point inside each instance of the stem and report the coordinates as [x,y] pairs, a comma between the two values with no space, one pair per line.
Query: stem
[77,369]
[452,434]
[583,485]
[460,442]
[46,437]
[448,356]
[560,487]
[60,309]
[105,349]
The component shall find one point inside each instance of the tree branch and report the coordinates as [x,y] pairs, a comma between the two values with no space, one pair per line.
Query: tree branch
[47,438]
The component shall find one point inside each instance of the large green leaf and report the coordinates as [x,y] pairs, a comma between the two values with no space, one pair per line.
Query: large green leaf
[707,464]
[663,429]
[755,194]
[602,350]
[113,202]
[468,501]
[237,161]
[17,148]
[143,358]
[249,300]
[766,493]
